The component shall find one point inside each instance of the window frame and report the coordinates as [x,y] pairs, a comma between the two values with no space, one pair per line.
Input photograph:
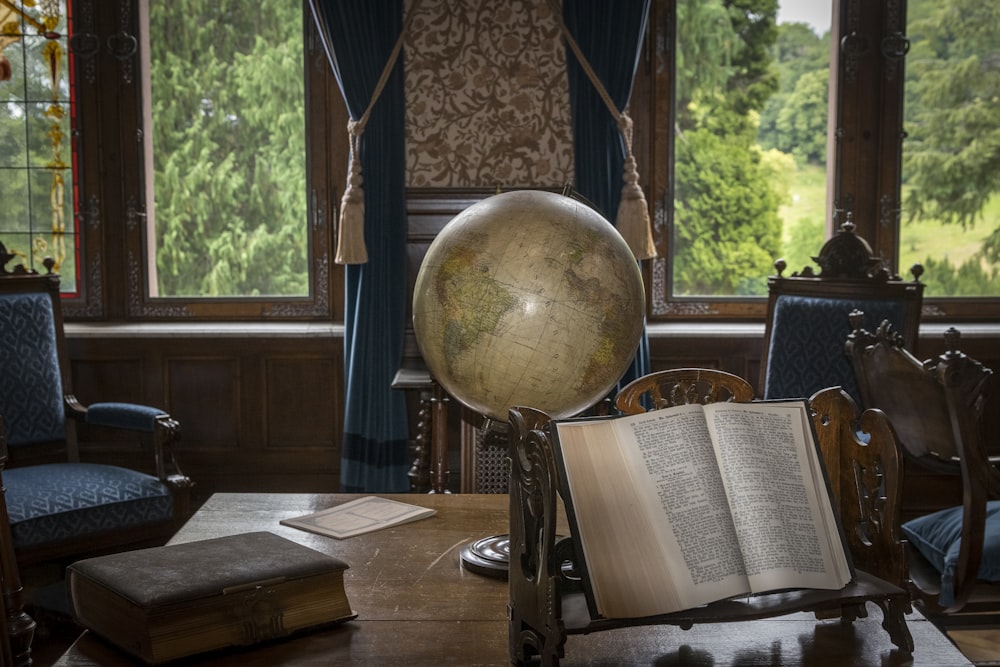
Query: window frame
[113,189]
[865,141]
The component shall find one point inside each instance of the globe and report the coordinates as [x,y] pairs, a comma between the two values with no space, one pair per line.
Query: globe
[528,298]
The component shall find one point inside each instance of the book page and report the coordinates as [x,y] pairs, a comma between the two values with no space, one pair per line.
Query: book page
[360,516]
[779,497]
[651,511]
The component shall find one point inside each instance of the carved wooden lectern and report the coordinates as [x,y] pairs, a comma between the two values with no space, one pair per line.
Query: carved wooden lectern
[547,601]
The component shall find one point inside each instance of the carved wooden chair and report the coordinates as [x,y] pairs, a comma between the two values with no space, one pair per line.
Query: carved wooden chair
[807,316]
[547,603]
[679,386]
[936,407]
[59,507]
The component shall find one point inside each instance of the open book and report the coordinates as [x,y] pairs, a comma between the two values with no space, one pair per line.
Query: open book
[679,507]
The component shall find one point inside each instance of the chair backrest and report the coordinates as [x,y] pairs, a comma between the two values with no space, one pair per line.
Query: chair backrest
[923,399]
[679,386]
[936,408]
[33,358]
[807,316]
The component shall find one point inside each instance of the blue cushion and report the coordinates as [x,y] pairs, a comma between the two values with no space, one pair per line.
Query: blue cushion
[806,351]
[55,502]
[938,537]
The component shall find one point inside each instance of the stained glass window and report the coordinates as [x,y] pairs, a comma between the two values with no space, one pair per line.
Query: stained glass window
[36,158]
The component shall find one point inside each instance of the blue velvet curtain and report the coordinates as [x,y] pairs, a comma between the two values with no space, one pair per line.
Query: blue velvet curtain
[359,36]
[610,36]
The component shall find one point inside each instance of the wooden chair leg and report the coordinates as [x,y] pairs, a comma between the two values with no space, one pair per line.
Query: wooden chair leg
[20,628]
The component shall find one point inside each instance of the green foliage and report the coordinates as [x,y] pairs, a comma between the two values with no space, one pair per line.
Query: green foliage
[798,50]
[795,119]
[706,39]
[229,148]
[802,213]
[726,227]
[727,231]
[753,79]
[952,155]
[969,279]
[800,126]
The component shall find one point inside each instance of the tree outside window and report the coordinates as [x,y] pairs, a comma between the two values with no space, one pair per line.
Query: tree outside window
[750,158]
[951,157]
[229,213]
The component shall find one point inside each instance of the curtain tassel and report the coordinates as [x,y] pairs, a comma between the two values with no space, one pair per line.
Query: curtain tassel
[633,214]
[351,233]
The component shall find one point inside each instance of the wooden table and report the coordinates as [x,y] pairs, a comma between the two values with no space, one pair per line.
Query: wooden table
[417,606]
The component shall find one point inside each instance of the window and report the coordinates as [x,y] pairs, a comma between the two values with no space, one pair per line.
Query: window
[233,190]
[750,121]
[748,75]
[761,162]
[36,158]
[133,178]
[750,117]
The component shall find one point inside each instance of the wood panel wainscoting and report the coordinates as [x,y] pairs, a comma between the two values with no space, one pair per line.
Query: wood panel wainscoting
[261,405]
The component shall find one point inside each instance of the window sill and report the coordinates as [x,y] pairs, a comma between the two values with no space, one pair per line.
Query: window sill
[666,330]
[205,330]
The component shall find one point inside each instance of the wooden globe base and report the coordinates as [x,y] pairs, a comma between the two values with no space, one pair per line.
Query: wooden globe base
[489,556]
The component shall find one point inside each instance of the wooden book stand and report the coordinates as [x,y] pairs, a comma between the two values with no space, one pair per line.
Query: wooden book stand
[547,602]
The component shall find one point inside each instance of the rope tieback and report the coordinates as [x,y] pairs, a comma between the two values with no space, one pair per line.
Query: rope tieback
[632,220]
[351,232]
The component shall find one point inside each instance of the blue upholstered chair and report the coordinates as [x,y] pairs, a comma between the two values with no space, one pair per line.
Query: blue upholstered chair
[60,507]
[807,316]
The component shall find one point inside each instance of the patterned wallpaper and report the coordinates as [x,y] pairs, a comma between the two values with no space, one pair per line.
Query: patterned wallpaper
[487,95]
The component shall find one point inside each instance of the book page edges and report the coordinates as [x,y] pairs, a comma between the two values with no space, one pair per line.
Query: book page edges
[632,581]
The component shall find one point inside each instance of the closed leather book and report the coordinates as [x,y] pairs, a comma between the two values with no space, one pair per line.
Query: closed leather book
[168,602]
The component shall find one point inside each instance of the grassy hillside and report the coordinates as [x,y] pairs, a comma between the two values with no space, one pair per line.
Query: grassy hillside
[804,213]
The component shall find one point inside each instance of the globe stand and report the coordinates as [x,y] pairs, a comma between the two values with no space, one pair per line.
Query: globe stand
[490,556]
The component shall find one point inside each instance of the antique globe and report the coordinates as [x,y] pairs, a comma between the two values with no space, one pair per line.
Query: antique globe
[528,298]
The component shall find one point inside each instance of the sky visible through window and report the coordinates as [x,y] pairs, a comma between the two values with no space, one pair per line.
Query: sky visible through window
[816,14]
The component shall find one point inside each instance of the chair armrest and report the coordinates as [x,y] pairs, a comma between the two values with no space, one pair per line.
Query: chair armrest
[165,431]
[129,416]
